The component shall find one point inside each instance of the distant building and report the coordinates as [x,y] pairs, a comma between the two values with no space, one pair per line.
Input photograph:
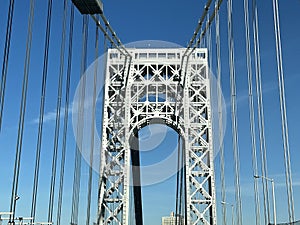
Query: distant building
[171,220]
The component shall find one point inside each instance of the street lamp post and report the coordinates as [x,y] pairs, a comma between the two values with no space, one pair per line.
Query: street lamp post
[273,195]
[232,211]
[16,198]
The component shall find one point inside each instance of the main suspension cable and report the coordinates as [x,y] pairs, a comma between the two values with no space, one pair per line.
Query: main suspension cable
[199,26]
[206,28]
[234,116]
[119,46]
[5,57]
[285,134]
[251,113]
[114,35]
[22,114]
[188,53]
[66,116]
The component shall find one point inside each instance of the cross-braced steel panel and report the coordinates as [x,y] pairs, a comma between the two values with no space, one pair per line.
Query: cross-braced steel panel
[154,89]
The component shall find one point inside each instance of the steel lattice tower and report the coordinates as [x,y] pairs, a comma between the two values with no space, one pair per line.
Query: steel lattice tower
[152,86]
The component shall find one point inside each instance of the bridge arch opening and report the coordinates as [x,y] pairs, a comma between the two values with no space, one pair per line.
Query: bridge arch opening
[156,165]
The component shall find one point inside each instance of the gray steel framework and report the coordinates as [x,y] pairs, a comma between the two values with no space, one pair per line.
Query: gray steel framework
[150,87]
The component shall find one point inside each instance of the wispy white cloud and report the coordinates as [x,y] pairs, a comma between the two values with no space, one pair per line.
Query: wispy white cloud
[51,116]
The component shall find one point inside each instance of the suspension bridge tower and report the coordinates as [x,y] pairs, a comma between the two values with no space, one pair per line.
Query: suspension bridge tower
[160,86]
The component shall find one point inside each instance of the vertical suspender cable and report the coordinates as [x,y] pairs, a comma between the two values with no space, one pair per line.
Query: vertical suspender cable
[66,116]
[88,214]
[183,217]
[234,116]
[181,185]
[22,113]
[251,113]
[220,121]
[58,111]
[285,135]
[263,151]
[80,126]
[177,181]
[5,57]
[181,201]
[41,116]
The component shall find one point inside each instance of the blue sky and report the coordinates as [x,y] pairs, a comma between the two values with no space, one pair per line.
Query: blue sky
[137,20]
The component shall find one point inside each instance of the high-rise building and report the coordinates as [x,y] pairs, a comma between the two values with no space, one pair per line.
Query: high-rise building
[172,219]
